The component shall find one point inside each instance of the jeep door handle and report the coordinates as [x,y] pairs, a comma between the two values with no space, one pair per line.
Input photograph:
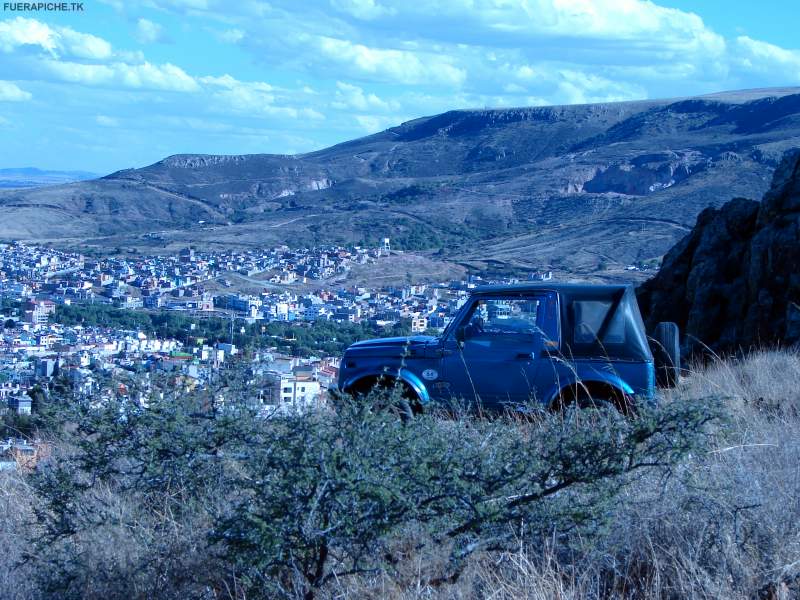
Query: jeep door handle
[525,356]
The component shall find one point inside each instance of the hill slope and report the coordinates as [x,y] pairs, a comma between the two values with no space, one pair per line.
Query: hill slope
[579,188]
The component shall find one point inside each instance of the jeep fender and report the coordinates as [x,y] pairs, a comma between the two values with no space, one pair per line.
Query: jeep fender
[404,375]
[596,377]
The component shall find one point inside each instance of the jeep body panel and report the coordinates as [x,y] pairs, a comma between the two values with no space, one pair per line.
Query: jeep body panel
[509,345]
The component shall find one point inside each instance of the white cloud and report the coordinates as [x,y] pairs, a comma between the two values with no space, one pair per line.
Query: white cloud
[142,76]
[83,45]
[226,81]
[524,72]
[491,22]
[535,101]
[26,32]
[483,47]
[352,96]
[254,98]
[129,56]
[398,66]
[244,98]
[363,9]
[462,43]
[765,58]
[148,32]
[230,36]
[106,121]
[577,87]
[194,123]
[162,77]
[220,10]
[376,123]
[513,88]
[56,41]
[69,56]
[456,43]
[10,92]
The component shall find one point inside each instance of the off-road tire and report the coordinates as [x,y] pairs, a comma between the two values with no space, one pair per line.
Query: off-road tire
[401,405]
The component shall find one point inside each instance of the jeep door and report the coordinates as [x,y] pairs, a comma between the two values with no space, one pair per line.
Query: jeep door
[493,354]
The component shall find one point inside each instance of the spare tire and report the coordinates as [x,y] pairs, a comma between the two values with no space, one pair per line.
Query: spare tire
[666,348]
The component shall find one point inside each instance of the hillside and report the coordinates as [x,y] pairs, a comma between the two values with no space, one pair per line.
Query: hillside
[585,189]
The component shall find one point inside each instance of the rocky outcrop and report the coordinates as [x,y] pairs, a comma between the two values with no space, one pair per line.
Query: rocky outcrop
[647,173]
[733,283]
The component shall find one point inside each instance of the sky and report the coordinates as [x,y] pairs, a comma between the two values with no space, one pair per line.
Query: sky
[120,84]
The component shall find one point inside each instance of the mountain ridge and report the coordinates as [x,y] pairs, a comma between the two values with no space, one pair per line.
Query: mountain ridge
[584,189]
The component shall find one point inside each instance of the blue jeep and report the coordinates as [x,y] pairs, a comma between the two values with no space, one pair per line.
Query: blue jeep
[510,345]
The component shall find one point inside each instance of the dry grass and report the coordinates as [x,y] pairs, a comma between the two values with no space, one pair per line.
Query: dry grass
[725,525]
[764,381]
[16,503]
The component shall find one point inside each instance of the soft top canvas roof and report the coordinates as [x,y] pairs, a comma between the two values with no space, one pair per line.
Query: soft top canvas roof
[618,325]
[565,289]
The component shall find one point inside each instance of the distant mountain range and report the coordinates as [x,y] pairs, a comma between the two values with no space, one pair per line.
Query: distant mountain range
[583,189]
[28,177]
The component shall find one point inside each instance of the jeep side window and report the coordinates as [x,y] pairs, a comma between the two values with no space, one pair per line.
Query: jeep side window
[589,316]
[503,321]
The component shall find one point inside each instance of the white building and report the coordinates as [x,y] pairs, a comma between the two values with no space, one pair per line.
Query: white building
[298,393]
[419,324]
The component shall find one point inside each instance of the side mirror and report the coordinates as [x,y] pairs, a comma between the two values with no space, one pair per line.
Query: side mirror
[461,334]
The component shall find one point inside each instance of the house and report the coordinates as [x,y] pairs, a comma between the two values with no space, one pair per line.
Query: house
[229,349]
[20,404]
[37,312]
[297,393]
[16,453]
[131,302]
[46,367]
[206,303]
[419,324]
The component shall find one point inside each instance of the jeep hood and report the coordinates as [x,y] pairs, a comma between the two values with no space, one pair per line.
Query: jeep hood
[391,346]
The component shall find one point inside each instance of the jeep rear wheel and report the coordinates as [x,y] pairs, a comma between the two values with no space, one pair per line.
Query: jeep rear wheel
[595,395]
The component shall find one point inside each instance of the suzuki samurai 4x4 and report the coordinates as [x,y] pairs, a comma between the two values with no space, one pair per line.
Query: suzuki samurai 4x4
[512,345]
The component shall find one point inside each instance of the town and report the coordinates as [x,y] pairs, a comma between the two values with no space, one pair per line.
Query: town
[38,285]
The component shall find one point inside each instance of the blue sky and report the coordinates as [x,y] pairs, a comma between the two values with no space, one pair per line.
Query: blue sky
[124,84]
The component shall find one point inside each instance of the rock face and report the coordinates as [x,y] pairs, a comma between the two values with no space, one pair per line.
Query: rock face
[733,282]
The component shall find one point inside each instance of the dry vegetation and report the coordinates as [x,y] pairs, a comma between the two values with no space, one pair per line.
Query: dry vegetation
[725,525]
[723,521]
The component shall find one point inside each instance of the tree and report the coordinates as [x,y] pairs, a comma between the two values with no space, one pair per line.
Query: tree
[338,487]
[203,492]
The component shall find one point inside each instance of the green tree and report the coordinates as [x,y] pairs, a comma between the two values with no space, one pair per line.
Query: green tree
[194,489]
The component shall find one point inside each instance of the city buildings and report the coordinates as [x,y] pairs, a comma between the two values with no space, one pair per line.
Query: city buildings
[35,348]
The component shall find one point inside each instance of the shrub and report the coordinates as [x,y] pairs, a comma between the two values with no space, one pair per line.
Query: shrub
[187,497]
